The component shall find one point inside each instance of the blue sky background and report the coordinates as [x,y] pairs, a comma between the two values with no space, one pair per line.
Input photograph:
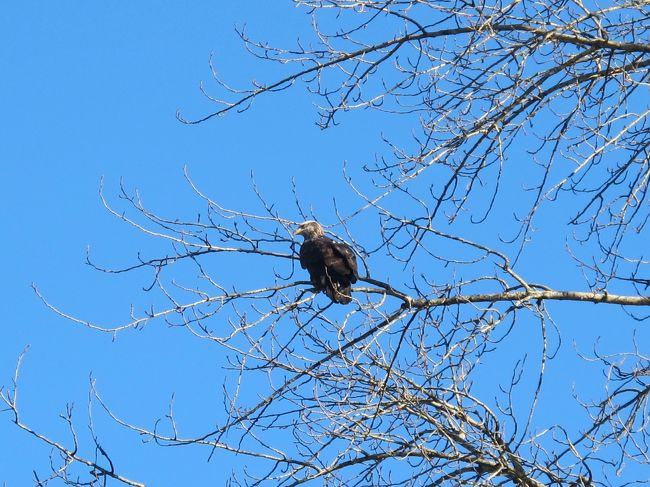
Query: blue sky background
[90,90]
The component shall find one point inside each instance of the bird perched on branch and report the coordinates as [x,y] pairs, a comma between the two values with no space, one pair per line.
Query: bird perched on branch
[332,265]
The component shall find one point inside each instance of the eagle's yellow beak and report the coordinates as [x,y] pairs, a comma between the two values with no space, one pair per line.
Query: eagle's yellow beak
[299,231]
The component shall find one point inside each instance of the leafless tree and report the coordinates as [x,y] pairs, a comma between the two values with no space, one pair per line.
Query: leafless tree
[389,389]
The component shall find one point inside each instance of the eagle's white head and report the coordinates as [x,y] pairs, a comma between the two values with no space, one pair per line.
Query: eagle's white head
[310,229]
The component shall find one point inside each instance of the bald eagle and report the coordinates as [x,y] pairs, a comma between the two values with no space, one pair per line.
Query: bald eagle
[332,266]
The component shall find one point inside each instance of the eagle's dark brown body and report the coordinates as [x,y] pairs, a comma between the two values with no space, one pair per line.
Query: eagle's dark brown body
[332,266]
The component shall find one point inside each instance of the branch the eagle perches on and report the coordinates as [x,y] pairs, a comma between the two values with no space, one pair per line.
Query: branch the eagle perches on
[190,242]
[519,294]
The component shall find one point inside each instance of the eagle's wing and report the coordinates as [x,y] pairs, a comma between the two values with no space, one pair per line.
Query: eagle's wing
[344,251]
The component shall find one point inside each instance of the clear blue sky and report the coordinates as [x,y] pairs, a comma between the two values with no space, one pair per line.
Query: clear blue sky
[90,90]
